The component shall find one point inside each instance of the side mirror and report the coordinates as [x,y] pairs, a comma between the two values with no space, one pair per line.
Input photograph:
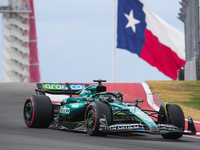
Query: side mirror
[138,101]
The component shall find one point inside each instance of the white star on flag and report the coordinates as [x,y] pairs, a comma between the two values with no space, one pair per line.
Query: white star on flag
[131,21]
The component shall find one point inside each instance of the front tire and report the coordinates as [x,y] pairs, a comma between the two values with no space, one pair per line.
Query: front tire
[38,111]
[176,117]
[92,117]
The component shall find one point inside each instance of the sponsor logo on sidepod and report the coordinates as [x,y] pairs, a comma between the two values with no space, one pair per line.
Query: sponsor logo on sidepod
[64,110]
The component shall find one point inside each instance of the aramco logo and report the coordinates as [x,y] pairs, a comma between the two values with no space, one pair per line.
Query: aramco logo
[62,86]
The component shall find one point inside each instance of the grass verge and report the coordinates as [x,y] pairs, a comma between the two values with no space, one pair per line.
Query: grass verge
[184,93]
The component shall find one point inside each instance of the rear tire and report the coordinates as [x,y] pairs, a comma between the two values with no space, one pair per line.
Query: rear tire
[38,111]
[92,117]
[175,117]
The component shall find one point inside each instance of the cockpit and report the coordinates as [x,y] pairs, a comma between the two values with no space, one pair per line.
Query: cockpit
[108,96]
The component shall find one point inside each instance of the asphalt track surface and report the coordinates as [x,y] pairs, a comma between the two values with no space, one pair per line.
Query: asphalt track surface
[14,135]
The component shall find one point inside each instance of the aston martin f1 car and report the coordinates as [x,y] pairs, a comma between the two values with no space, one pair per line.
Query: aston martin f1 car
[90,108]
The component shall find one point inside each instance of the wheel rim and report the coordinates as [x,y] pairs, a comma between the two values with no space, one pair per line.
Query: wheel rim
[28,111]
[90,120]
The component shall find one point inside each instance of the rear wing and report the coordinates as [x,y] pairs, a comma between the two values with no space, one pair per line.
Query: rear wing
[59,88]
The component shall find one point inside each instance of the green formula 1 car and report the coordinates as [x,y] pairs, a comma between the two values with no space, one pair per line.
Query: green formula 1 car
[80,107]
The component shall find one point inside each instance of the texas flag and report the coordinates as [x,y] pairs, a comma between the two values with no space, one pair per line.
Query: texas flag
[142,32]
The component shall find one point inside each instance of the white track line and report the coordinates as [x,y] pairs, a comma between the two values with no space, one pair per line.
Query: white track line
[154,106]
[150,97]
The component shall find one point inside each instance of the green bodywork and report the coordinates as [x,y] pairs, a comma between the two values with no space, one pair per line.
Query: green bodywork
[138,113]
[88,91]
[76,104]
[72,105]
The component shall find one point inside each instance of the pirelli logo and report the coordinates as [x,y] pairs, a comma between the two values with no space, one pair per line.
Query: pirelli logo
[125,127]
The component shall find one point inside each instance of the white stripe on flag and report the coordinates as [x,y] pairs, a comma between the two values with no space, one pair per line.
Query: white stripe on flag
[166,34]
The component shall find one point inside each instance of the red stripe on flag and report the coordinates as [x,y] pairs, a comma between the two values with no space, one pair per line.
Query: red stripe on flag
[161,56]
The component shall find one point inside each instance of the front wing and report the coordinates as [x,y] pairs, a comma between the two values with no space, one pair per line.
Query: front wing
[139,127]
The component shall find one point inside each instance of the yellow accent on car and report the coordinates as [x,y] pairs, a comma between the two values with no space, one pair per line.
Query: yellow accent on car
[166,108]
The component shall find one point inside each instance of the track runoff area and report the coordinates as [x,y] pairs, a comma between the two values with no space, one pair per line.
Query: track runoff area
[141,91]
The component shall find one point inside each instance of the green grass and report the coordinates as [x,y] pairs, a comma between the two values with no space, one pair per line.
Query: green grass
[184,93]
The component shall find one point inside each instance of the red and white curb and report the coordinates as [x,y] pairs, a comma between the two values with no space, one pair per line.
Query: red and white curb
[151,102]
[150,97]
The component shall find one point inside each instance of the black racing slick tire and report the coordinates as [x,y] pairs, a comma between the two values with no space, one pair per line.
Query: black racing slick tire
[38,111]
[93,114]
[175,117]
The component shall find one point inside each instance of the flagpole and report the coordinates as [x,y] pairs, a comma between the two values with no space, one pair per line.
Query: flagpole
[114,42]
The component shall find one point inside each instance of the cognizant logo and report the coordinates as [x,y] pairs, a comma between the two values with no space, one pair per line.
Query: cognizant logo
[63,87]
